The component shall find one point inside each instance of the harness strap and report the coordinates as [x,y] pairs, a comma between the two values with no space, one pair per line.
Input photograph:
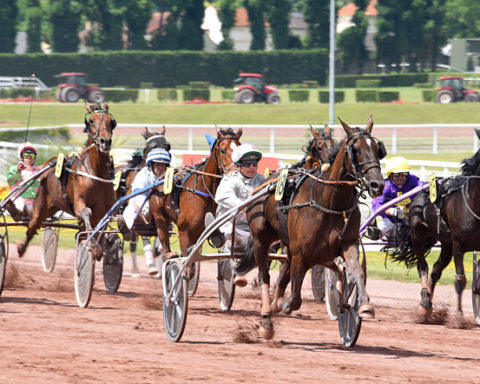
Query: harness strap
[315,205]
[90,176]
[466,196]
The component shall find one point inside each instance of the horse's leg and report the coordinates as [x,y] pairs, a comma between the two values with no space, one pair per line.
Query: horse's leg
[444,259]
[460,278]
[133,253]
[418,241]
[350,254]
[297,275]
[282,282]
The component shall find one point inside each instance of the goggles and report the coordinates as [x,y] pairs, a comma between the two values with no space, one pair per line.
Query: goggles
[397,175]
[248,163]
[28,156]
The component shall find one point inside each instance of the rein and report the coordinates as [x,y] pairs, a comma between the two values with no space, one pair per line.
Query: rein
[84,174]
[466,195]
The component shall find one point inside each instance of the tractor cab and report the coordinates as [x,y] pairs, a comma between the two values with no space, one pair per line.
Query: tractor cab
[452,88]
[250,88]
[73,85]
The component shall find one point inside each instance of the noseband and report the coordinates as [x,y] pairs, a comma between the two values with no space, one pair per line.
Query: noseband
[95,137]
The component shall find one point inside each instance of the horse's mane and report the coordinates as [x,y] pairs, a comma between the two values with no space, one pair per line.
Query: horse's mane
[469,166]
[228,132]
[334,153]
[135,161]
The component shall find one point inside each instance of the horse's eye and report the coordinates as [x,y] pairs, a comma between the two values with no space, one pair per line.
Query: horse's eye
[91,121]
[222,151]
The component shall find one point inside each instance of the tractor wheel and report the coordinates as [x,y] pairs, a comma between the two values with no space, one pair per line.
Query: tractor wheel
[96,97]
[245,96]
[445,97]
[273,99]
[70,94]
[58,95]
[471,98]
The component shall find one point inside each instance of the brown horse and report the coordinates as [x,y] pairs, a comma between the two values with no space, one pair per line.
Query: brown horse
[85,187]
[193,194]
[454,221]
[320,222]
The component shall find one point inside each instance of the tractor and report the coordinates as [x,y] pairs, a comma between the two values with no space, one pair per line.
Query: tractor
[73,86]
[452,88]
[250,88]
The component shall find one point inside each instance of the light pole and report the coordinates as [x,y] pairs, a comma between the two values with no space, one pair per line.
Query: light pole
[331,95]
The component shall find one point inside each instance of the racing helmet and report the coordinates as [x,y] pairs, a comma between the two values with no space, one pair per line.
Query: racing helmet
[246,152]
[397,164]
[28,148]
[158,155]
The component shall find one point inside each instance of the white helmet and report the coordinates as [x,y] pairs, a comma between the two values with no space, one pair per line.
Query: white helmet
[158,155]
[246,152]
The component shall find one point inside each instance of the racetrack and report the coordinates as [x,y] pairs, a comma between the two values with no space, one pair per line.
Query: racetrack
[46,338]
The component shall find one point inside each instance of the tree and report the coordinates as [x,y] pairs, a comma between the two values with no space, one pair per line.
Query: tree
[137,16]
[227,17]
[351,43]
[108,15]
[462,18]
[434,37]
[278,15]
[255,10]
[64,20]
[317,16]
[8,18]
[34,26]
[191,33]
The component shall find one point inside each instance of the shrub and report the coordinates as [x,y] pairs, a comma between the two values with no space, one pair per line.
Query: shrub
[429,95]
[366,95]
[199,84]
[118,95]
[228,94]
[310,84]
[61,134]
[167,94]
[388,96]
[367,83]
[146,85]
[422,85]
[324,97]
[299,95]
[190,94]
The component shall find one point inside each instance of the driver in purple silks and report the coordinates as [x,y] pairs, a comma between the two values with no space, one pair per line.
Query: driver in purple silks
[399,181]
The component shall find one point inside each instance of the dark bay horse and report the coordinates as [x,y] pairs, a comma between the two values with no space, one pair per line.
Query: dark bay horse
[85,186]
[454,220]
[193,194]
[320,222]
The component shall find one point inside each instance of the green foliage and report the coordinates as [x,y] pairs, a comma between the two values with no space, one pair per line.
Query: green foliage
[310,84]
[119,95]
[62,134]
[366,96]
[324,96]
[255,9]
[428,95]
[367,83]
[191,33]
[278,15]
[64,20]
[298,95]
[8,32]
[422,85]
[226,15]
[228,94]
[146,85]
[317,16]
[199,84]
[388,96]
[137,15]
[167,94]
[192,93]
[34,29]
[390,80]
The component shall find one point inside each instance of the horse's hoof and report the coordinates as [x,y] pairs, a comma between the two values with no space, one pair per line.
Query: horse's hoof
[21,248]
[366,311]
[240,281]
[274,307]
[285,308]
[424,312]
[266,329]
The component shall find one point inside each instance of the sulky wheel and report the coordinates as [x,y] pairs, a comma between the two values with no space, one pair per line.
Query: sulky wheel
[331,293]
[3,263]
[175,300]
[49,249]
[349,323]
[113,262]
[476,290]
[194,277]
[318,283]
[226,288]
[84,274]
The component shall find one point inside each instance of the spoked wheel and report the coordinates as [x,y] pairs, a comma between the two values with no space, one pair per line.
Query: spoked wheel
[193,281]
[175,300]
[113,262]
[349,323]
[84,274]
[226,288]
[331,293]
[3,263]
[318,283]
[49,249]
[476,291]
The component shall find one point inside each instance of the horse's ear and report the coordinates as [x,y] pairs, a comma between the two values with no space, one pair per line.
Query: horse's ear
[327,131]
[146,133]
[88,107]
[113,123]
[477,131]
[105,107]
[369,126]
[238,134]
[346,127]
[162,132]
[314,133]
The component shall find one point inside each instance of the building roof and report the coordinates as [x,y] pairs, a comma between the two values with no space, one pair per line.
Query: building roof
[351,8]
[241,18]
[156,22]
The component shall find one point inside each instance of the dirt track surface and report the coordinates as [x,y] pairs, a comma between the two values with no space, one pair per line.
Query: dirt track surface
[46,338]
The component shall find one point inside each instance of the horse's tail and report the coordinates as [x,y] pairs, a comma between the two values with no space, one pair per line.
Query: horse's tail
[404,250]
[247,261]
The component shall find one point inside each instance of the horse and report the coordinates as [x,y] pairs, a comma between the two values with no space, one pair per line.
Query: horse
[85,178]
[454,221]
[193,194]
[320,222]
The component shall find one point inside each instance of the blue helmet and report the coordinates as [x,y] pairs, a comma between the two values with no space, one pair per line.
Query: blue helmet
[158,155]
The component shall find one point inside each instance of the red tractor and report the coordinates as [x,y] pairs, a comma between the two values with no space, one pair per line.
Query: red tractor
[452,88]
[250,88]
[73,86]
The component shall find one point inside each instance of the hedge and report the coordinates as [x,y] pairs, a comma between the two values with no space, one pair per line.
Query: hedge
[388,96]
[167,94]
[166,69]
[191,93]
[228,94]
[118,95]
[429,95]
[367,83]
[366,95]
[12,93]
[390,80]
[299,95]
[199,84]
[52,135]
[324,97]
[310,84]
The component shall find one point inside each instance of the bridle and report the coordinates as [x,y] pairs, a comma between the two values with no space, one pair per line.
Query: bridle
[218,157]
[358,167]
[95,137]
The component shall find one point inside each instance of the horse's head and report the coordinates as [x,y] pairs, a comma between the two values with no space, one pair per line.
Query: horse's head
[319,148]
[99,124]
[364,153]
[471,166]
[227,140]
[154,140]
